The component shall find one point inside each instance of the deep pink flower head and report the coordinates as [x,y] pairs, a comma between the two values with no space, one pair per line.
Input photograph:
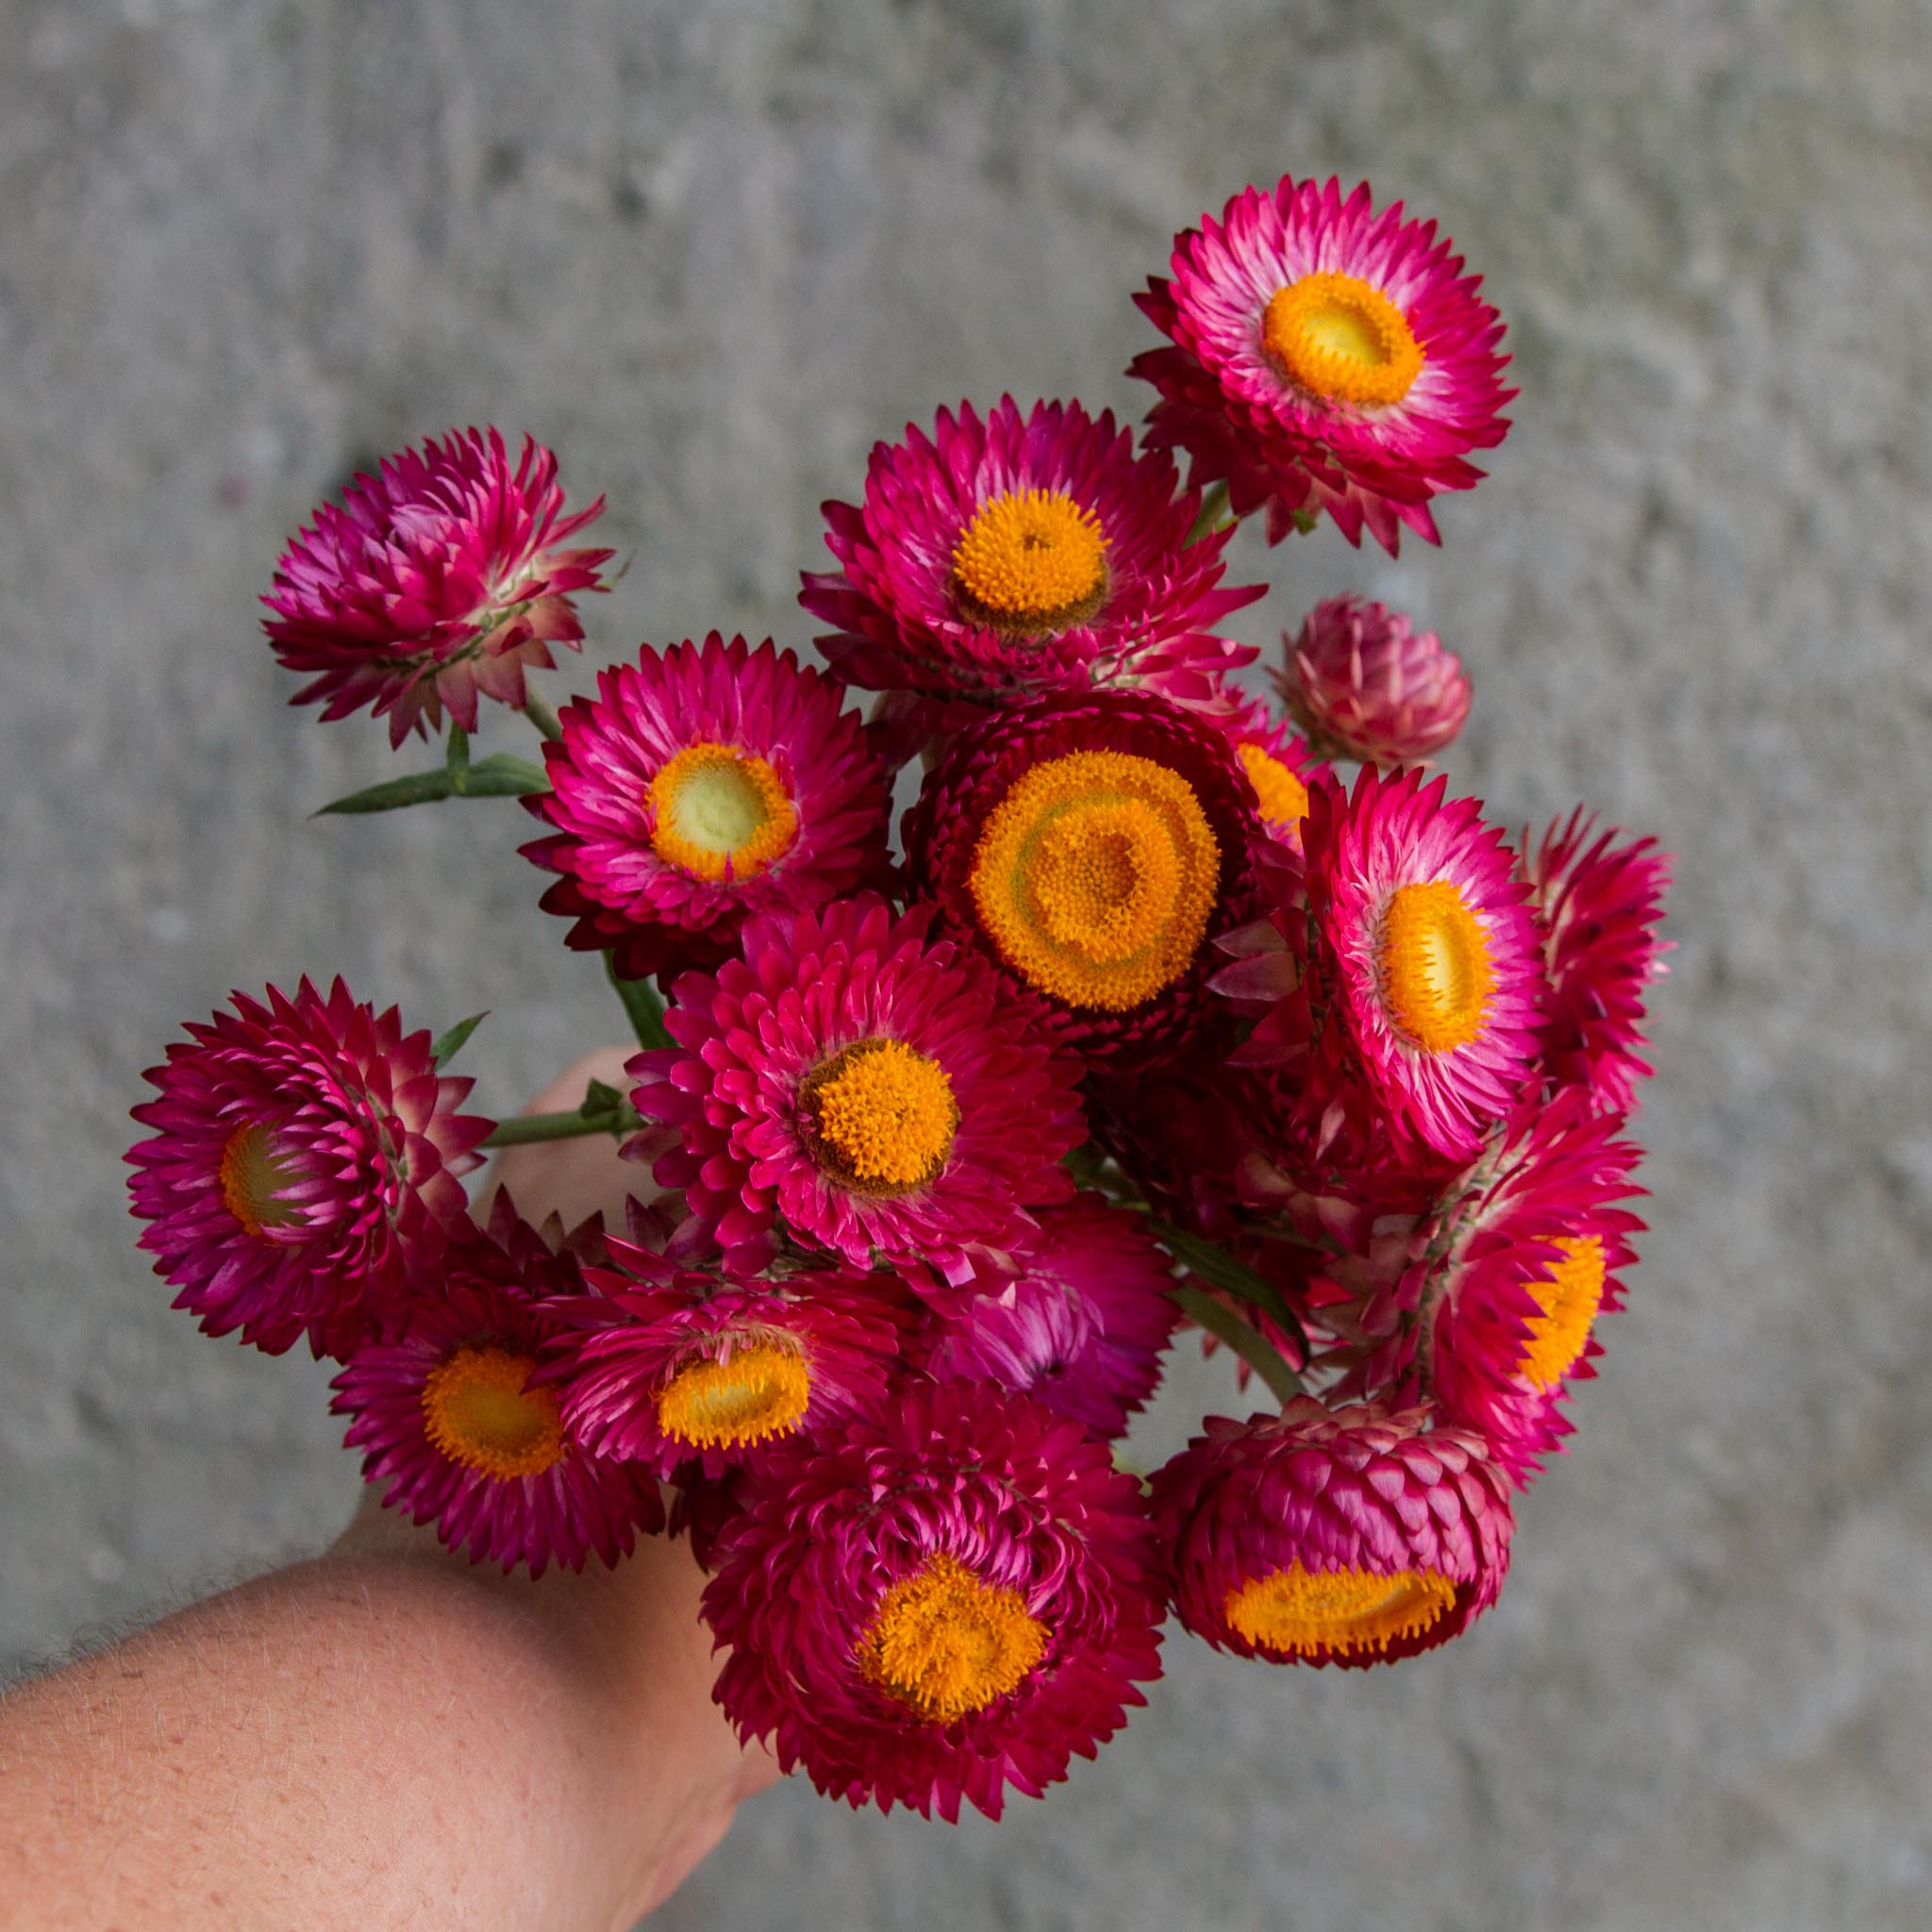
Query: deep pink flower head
[303,1160]
[1077,1318]
[1278,762]
[445,574]
[1323,357]
[700,1368]
[1093,844]
[1021,554]
[1363,683]
[700,787]
[929,1603]
[451,1416]
[875,1087]
[1599,900]
[1349,1537]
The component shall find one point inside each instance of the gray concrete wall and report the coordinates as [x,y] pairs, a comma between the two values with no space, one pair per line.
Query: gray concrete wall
[710,253]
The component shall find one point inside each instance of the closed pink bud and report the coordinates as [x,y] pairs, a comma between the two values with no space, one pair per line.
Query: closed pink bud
[1364,684]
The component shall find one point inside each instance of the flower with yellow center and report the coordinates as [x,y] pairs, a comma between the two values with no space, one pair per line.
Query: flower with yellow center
[1031,561]
[1340,338]
[1433,961]
[945,1643]
[760,1389]
[1302,1612]
[720,812]
[886,1116]
[479,1412]
[1284,797]
[1568,1296]
[251,1177]
[1096,875]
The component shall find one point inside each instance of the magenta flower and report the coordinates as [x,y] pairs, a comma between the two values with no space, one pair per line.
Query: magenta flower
[875,1088]
[698,787]
[1278,761]
[305,1159]
[452,1419]
[933,1602]
[1364,684]
[1324,357]
[444,575]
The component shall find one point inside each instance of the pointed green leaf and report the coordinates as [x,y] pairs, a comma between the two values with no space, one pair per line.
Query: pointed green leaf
[1246,1341]
[499,775]
[419,788]
[446,1048]
[600,1097]
[1219,1268]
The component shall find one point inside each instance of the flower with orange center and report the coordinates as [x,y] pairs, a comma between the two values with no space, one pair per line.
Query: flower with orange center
[760,1390]
[1284,797]
[1568,1298]
[1304,1613]
[1342,339]
[479,1412]
[720,812]
[885,1116]
[1434,961]
[252,1179]
[945,1643]
[1031,561]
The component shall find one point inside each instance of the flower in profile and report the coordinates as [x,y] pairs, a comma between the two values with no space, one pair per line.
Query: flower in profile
[700,787]
[1599,899]
[1351,1536]
[1093,844]
[1278,763]
[932,1601]
[1077,1318]
[1021,554]
[875,1087]
[1325,356]
[452,1417]
[1363,683]
[687,1369]
[445,574]
[305,1159]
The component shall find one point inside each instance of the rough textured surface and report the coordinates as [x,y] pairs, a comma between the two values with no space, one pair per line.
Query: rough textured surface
[710,253]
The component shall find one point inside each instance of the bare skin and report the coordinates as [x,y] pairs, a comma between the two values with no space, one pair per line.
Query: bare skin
[388,1736]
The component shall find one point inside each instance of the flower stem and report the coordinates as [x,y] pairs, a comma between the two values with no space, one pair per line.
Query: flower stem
[540,715]
[1213,514]
[646,1010]
[562,1127]
[1246,1341]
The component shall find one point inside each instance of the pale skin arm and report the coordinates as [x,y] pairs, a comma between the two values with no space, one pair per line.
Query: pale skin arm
[387,1736]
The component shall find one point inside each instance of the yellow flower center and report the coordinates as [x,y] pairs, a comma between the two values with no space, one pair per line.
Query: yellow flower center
[1300,1612]
[480,1414]
[760,1390]
[1569,1297]
[1031,561]
[251,1177]
[1096,875]
[1434,961]
[886,1116]
[1342,339]
[720,812]
[1284,797]
[945,1643]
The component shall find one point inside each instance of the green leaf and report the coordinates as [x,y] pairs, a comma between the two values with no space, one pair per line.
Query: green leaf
[499,775]
[646,1010]
[446,1048]
[600,1097]
[419,788]
[1216,1266]
[1247,1341]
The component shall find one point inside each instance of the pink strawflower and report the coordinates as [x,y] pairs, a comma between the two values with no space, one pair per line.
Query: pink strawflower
[1363,683]
[875,1087]
[1021,554]
[1325,356]
[1599,900]
[452,1418]
[698,787]
[936,1601]
[1279,764]
[1093,844]
[691,1370]
[1350,1537]
[444,575]
[305,1159]
[1077,1318]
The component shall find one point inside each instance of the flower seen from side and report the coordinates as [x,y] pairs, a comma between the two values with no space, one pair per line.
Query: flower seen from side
[1363,683]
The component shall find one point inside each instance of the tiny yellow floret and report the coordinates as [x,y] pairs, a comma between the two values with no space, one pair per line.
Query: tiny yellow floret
[945,1643]
[1433,958]
[1284,797]
[1030,562]
[251,1177]
[1096,875]
[719,812]
[1340,338]
[479,1413]
[1299,1612]
[885,1114]
[760,1389]
[1569,1296]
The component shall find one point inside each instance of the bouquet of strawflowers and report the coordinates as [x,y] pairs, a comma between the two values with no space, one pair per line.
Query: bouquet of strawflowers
[1150,1019]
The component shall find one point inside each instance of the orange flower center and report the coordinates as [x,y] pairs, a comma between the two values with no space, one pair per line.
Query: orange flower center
[760,1390]
[1284,797]
[252,1179]
[1341,339]
[1302,1612]
[1031,561]
[1434,961]
[945,1644]
[886,1115]
[1569,1297]
[1095,877]
[719,812]
[479,1413]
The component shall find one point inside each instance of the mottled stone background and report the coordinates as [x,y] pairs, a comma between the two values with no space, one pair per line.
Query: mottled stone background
[710,253]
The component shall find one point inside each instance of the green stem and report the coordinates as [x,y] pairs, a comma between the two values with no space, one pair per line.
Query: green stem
[1246,1341]
[1213,514]
[561,1127]
[540,715]
[646,1010]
